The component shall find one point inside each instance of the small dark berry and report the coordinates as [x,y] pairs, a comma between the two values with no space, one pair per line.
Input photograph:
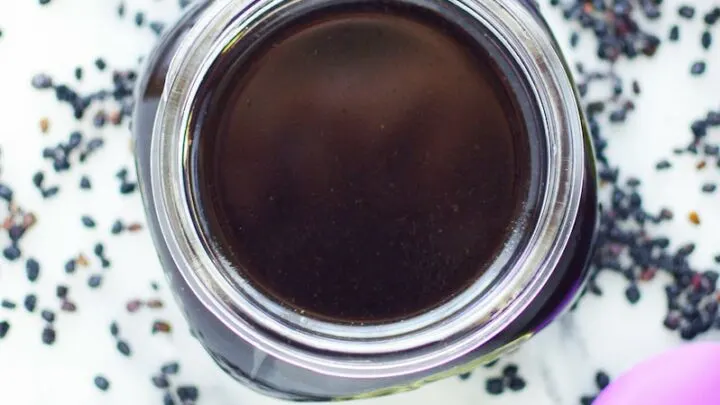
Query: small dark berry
[124,348]
[95,144]
[188,393]
[706,40]
[154,304]
[494,386]
[168,399]
[102,383]
[133,306]
[100,64]
[99,119]
[61,291]
[587,400]
[662,165]
[516,384]
[666,214]
[4,328]
[117,227]
[12,252]
[50,192]
[32,269]
[161,327]
[30,302]
[48,335]
[16,232]
[632,293]
[671,322]
[88,222]
[510,370]
[38,179]
[7,304]
[157,27]
[6,193]
[574,39]
[170,368]
[686,12]
[94,281]
[699,128]
[618,116]
[68,306]
[160,381]
[698,68]
[70,266]
[48,315]
[595,107]
[711,307]
[99,249]
[712,16]
[41,81]
[492,363]
[674,33]
[602,380]
[114,329]
[688,332]
[127,187]
[686,249]
[465,376]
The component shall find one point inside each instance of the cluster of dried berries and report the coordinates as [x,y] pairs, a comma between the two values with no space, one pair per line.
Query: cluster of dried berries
[703,148]
[626,245]
[615,24]
[106,107]
[509,379]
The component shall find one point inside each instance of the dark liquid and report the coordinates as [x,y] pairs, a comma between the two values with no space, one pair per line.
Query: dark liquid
[366,167]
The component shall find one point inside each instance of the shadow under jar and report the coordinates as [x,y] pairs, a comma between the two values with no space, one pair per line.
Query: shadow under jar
[352,198]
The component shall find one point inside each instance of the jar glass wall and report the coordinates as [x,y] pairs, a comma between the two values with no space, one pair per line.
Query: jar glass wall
[538,273]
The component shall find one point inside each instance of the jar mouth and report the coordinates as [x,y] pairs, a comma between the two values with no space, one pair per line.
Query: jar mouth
[527,174]
[466,321]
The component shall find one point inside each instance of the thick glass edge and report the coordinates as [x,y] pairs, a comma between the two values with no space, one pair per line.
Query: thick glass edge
[446,313]
[166,188]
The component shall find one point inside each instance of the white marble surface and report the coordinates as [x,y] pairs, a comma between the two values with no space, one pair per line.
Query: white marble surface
[558,365]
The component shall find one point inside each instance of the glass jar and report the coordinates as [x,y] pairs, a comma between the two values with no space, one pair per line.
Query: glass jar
[293,356]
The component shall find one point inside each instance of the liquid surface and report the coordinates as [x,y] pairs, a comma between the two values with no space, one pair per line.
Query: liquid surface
[366,167]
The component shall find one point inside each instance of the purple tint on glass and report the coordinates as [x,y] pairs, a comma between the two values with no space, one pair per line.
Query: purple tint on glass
[688,375]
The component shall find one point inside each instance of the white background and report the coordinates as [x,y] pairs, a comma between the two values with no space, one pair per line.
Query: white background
[558,365]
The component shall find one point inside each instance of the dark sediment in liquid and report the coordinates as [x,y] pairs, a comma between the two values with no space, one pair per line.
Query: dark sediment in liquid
[366,167]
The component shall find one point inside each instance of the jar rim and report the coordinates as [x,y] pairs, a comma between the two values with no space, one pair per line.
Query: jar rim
[341,349]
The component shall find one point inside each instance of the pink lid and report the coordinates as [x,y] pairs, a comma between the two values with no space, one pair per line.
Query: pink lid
[688,375]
